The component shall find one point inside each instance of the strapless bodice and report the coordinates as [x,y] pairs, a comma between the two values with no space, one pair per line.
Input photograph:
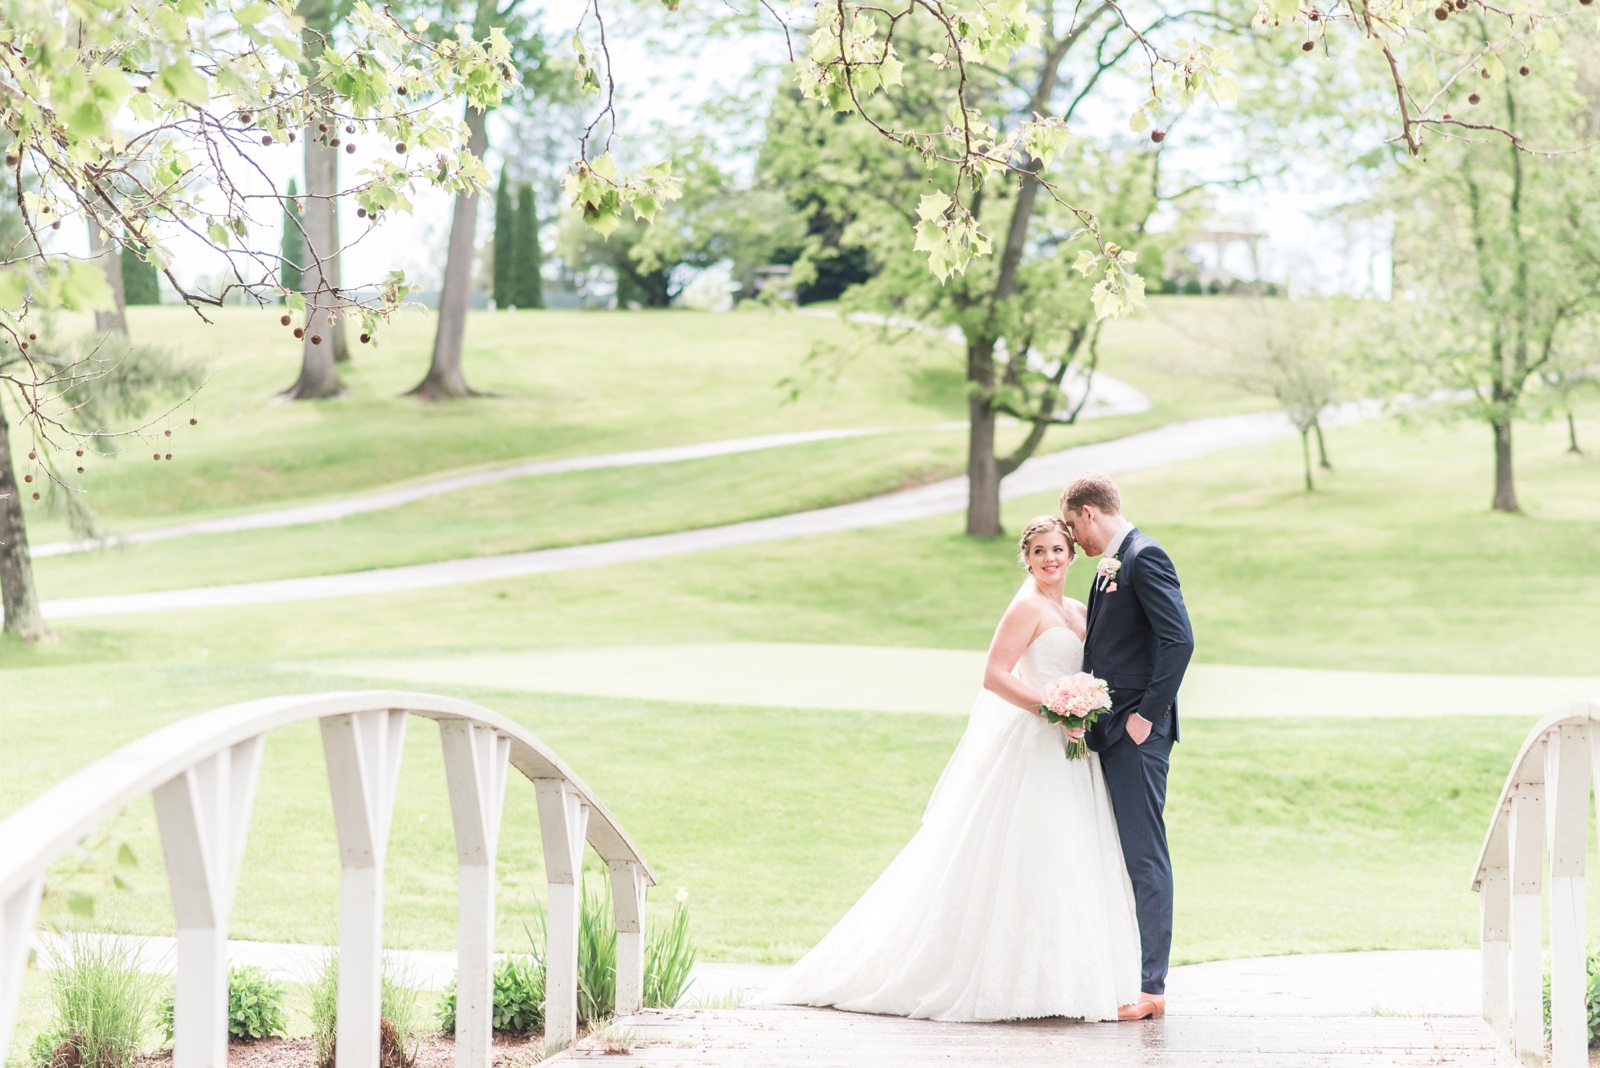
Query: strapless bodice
[1054,653]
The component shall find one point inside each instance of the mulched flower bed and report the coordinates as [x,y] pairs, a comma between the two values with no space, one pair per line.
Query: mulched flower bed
[432,1051]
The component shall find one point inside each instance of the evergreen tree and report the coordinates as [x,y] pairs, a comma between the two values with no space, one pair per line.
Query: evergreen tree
[527,288]
[292,254]
[504,241]
[140,281]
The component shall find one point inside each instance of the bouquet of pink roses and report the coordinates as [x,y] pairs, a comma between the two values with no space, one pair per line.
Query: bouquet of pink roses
[1076,701]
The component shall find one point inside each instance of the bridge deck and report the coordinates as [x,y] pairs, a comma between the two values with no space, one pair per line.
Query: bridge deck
[822,1038]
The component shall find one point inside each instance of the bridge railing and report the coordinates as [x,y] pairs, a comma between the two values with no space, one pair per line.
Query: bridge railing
[202,775]
[1543,812]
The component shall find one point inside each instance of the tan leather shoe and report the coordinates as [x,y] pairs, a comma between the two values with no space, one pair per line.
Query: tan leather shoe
[1148,1007]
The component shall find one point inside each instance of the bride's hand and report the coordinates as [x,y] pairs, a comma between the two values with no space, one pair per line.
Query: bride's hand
[1075,733]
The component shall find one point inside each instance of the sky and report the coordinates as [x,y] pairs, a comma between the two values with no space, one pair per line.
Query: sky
[665,75]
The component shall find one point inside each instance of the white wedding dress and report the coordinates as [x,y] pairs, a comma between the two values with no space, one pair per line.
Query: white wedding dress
[1010,902]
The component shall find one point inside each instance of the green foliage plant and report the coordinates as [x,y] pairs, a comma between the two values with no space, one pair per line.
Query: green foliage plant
[255,1006]
[519,993]
[669,954]
[504,241]
[102,1005]
[141,283]
[525,284]
[292,245]
[597,956]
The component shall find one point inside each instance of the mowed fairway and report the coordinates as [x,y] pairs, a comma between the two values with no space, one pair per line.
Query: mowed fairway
[1289,836]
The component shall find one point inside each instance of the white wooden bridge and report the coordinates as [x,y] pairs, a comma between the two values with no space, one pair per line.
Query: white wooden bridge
[202,771]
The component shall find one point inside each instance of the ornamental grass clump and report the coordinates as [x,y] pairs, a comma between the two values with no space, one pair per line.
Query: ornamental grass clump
[255,1006]
[399,1006]
[102,1006]
[669,955]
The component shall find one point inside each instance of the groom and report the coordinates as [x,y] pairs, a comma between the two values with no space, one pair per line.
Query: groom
[1139,641]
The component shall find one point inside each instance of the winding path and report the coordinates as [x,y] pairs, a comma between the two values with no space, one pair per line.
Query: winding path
[1176,441]
[1107,397]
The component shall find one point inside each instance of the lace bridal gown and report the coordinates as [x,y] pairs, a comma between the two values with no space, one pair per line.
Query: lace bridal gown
[1010,902]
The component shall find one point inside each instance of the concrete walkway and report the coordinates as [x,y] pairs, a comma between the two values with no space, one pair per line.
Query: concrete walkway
[878,679]
[1434,982]
[1168,444]
[1346,1009]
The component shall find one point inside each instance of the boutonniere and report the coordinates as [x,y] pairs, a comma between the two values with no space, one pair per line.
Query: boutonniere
[1107,571]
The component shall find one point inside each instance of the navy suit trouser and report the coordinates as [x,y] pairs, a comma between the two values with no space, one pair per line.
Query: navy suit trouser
[1136,777]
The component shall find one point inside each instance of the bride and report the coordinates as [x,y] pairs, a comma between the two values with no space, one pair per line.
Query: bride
[1012,900]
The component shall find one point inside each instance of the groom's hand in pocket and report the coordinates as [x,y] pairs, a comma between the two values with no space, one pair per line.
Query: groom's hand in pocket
[1138,728]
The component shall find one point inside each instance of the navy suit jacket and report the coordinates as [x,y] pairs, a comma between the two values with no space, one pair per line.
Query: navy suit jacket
[1139,640]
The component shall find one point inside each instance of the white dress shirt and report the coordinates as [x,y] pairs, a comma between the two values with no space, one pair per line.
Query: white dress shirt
[1114,546]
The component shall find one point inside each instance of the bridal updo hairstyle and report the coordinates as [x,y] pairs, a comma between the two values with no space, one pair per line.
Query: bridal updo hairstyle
[1040,524]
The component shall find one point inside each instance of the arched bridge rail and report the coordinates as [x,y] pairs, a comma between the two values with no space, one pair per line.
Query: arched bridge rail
[1543,812]
[202,773]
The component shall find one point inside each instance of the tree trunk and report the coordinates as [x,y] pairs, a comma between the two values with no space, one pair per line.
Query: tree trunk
[17,592]
[1505,491]
[1572,434]
[1322,448]
[318,375]
[109,256]
[444,379]
[983,472]
[1305,454]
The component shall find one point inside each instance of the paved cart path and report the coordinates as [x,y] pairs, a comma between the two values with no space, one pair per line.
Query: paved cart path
[867,678]
[1107,397]
[1168,444]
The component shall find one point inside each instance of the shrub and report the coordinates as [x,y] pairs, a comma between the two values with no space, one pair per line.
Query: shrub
[1192,288]
[101,1005]
[255,1006]
[398,1004]
[1591,997]
[518,996]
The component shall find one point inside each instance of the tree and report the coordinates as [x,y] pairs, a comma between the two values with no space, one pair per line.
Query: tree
[141,121]
[104,250]
[1293,354]
[1497,251]
[537,77]
[710,219]
[292,249]
[1030,320]
[77,391]
[1572,371]
[141,283]
[324,342]
[526,283]
[504,239]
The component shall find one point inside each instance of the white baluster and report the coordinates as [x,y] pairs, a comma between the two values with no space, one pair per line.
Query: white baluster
[204,816]
[475,762]
[1494,900]
[362,751]
[627,896]
[563,822]
[1566,776]
[1526,846]
[17,915]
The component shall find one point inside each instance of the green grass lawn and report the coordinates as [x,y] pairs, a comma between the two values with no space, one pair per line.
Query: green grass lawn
[559,384]
[1288,837]
[1394,564]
